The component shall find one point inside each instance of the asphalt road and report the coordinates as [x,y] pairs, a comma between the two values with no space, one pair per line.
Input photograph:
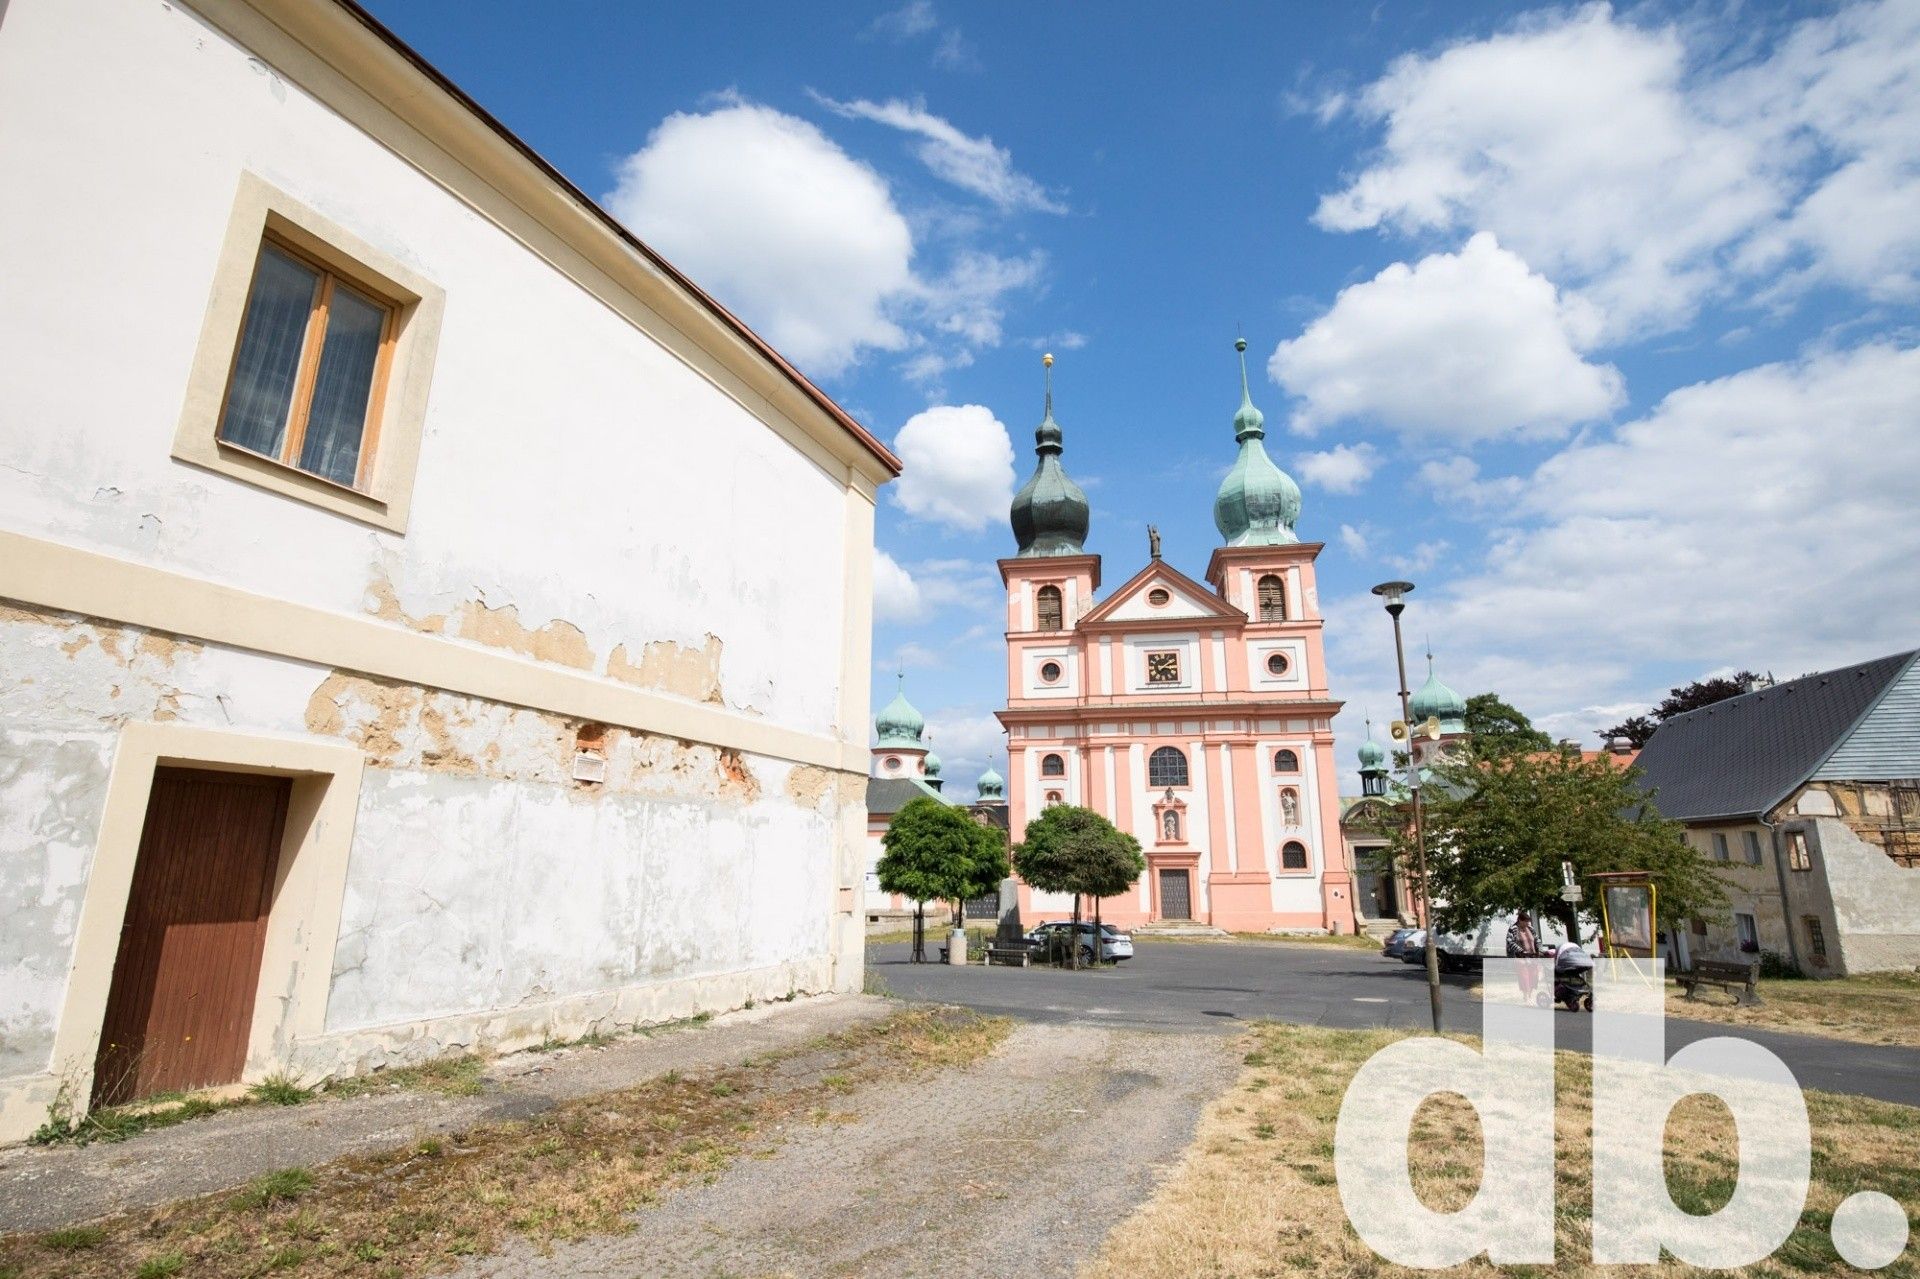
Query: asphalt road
[1219,986]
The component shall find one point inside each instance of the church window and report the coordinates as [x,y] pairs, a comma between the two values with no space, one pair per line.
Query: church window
[1159,596]
[1286,762]
[1293,855]
[1050,672]
[1277,663]
[1047,606]
[1167,767]
[1052,766]
[893,763]
[1273,599]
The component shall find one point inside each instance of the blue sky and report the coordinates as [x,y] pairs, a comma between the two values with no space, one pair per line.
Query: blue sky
[1598,323]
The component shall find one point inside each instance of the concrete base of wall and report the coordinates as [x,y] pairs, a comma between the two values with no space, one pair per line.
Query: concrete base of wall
[27,1102]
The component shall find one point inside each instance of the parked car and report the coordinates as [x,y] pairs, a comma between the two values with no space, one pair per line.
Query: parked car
[1395,940]
[1114,944]
[1413,947]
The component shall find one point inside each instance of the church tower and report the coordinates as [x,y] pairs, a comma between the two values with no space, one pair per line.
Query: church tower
[900,752]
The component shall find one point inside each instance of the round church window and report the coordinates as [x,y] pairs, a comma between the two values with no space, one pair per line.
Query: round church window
[1159,596]
[1050,672]
[1277,663]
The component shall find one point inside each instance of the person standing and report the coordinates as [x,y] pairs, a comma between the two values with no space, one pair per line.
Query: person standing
[1524,943]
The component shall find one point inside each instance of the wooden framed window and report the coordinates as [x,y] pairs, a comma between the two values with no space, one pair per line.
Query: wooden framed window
[1047,615]
[1750,845]
[1273,599]
[1816,940]
[1719,846]
[310,369]
[1167,767]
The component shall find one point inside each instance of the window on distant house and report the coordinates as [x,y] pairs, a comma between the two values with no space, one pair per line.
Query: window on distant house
[1047,608]
[1746,932]
[1750,841]
[1719,846]
[1797,855]
[1816,941]
[1167,767]
[1273,599]
[1293,855]
[1052,766]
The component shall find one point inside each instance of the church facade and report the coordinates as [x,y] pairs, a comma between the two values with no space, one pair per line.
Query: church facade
[1192,713]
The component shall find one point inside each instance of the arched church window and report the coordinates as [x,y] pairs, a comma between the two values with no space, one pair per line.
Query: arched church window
[1286,762]
[1273,599]
[1047,608]
[1167,767]
[1293,856]
[1170,825]
[1052,766]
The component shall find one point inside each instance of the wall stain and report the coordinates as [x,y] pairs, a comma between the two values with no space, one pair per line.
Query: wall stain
[668,667]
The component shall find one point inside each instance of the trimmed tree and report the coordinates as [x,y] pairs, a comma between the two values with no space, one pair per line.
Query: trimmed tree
[1075,850]
[1499,824]
[1495,724]
[936,852]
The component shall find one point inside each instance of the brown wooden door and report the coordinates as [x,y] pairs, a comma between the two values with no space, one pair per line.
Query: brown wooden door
[1174,900]
[181,1005]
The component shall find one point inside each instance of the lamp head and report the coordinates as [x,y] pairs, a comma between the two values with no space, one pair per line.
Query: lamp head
[1393,595]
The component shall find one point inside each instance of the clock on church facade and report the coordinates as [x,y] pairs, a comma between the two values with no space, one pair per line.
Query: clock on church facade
[1194,715]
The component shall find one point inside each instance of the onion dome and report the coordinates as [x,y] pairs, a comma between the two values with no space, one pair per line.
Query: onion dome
[898,723]
[991,786]
[1373,756]
[930,765]
[1436,701]
[1258,502]
[1050,512]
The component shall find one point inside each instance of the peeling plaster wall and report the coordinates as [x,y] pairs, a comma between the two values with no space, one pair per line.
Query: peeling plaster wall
[491,898]
[583,496]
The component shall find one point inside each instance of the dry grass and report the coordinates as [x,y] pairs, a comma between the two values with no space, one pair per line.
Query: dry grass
[579,1169]
[1879,1008]
[1256,1194]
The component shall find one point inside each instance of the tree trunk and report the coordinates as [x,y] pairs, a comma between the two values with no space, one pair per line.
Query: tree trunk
[1096,931]
[1073,947]
[919,932]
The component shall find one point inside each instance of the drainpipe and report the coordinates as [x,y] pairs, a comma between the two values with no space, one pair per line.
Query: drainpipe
[1786,909]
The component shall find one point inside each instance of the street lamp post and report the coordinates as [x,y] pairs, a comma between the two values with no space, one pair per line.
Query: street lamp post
[1394,596]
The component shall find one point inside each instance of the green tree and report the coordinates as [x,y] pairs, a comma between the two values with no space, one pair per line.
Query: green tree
[936,852]
[1499,824]
[1075,850]
[1495,725]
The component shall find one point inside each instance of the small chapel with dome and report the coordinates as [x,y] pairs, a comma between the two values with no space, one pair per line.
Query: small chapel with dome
[1194,714]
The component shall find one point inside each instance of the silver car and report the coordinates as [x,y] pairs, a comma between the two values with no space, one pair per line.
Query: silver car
[1114,944]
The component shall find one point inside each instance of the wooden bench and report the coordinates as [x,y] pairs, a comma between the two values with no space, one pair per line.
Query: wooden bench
[1737,979]
[1021,955]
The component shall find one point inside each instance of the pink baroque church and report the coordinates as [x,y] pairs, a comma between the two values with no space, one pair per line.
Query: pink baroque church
[1194,716]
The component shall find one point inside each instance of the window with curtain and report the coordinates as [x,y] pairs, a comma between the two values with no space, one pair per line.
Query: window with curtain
[1167,767]
[1293,855]
[307,373]
[1273,599]
[1052,766]
[1047,609]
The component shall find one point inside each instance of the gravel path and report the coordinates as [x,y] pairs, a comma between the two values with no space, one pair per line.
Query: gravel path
[45,1187]
[1018,1165]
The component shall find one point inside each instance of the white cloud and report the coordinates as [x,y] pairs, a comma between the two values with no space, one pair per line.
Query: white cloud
[958,466]
[912,19]
[1340,469]
[1762,520]
[966,302]
[1354,540]
[1646,175]
[1467,346]
[911,655]
[763,209]
[896,596]
[971,163]
[968,741]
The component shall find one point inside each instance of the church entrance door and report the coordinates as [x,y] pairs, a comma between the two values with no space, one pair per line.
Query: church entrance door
[1175,900]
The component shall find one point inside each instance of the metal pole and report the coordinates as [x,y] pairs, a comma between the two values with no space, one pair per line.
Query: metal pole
[1419,832]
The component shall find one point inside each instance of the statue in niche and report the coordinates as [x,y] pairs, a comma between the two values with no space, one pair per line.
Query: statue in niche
[1170,825]
[1290,807]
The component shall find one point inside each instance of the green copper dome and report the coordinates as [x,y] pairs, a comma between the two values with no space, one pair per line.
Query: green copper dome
[1049,512]
[991,785]
[898,723]
[1373,756]
[1258,502]
[931,764]
[1436,700]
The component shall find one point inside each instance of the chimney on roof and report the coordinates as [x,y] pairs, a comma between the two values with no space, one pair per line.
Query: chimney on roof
[1620,744]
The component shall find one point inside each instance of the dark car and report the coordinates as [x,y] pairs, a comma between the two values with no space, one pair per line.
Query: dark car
[1395,940]
[1114,944]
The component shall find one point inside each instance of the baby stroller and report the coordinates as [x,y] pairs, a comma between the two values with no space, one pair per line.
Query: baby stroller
[1573,978]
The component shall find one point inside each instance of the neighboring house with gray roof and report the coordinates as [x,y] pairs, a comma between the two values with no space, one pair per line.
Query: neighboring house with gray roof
[1808,793]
